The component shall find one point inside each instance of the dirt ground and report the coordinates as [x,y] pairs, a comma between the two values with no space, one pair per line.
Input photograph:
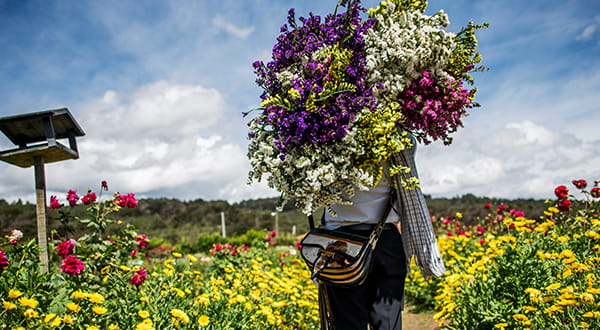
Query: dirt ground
[418,321]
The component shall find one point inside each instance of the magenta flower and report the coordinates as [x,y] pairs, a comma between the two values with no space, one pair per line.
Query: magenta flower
[65,248]
[142,241]
[138,277]
[89,198]
[126,200]
[72,197]
[3,261]
[54,203]
[72,266]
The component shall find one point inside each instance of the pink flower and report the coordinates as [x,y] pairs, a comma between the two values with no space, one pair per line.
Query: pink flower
[54,204]
[133,253]
[126,200]
[72,197]
[138,277]
[519,214]
[72,266]
[218,247]
[561,191]
[3,261]
[580,184]
[65,248]
[142,241]
[564,205]
[595,192]
[488,206]
[482,242]
[89,198]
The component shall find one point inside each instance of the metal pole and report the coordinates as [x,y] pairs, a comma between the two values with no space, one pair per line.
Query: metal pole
[40,196]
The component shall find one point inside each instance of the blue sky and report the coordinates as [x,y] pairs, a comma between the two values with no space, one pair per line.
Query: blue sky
[159,88]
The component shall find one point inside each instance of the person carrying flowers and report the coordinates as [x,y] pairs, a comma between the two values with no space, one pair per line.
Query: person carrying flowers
[346,99]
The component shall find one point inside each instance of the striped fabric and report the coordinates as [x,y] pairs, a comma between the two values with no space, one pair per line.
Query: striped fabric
[417,231]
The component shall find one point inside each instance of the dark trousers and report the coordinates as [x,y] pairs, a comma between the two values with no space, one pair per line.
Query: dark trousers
[379,301]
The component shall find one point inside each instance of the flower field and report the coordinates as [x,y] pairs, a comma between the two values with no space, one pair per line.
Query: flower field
[511,272]
[506,272]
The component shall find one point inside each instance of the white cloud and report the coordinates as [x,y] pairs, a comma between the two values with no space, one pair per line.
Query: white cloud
[588,32]
[222,24]
[523,159]
[160,140]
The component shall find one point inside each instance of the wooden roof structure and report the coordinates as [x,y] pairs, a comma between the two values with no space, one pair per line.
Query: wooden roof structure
[36,135]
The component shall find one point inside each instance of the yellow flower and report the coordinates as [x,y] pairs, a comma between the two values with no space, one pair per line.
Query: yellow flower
[124,268]
[177,255]
[79,295]
[529,309]
[99,310]
[31,313]
[587,297]
[144,314]
[53,319]
[203,320]
[14,293]
[8,305]
[92,327]
[145,325]
[553,286]
[96,298]
[180,315]
[501,325]
[68,319]
[28,302]
[105,270]
[192,258]
[73,307]
[114,326]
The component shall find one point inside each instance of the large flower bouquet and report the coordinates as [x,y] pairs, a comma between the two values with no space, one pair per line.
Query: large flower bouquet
[343,93]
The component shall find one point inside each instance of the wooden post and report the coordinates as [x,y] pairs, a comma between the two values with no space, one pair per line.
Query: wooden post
[40,196]
[223,231]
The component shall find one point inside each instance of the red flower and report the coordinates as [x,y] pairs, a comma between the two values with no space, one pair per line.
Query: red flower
[561,191]
[72,266]
[480,230]
[488,206]
[65,248]
[89,198]
[500,209]
[580,184]
[519,214]
[54,204]
[138,277]
[564,205]
[126,200]
[72,197]
[595,192]
[104,185]
[3,261]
